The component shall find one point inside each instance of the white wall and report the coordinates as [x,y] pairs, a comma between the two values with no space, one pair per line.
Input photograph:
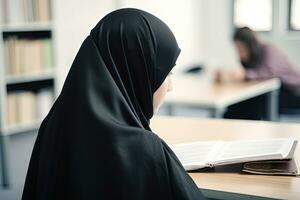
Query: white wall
[218,28]
[288,41]
[73,20]
[184,19]
[203,29]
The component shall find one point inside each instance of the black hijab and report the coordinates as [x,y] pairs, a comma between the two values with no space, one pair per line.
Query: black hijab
[96,142]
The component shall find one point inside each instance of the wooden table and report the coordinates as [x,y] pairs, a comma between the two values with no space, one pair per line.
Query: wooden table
[232,185]
[216,97]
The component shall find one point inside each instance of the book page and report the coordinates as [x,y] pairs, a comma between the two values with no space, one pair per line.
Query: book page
[253,150]
[196,155]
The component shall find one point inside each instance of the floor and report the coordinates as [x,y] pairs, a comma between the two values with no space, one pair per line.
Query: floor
[20,147]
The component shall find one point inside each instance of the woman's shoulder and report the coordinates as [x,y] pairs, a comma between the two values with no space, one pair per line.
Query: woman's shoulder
[269,48]
[272,52]
[274,56]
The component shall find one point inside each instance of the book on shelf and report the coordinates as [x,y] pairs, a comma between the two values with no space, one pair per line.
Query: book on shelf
[21,11]
[25,107]
[209,154]
[48,54]
[28,56]
[12,109]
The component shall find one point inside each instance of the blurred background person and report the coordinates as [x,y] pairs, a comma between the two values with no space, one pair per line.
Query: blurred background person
[260,60]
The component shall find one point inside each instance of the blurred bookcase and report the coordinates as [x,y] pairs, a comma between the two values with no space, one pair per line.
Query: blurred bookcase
[27,72]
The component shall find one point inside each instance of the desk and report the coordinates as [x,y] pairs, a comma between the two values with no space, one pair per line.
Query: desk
[216,97]
[232,185]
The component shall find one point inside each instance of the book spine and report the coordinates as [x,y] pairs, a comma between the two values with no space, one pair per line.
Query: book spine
[25,107]
[24,56]
[25,11]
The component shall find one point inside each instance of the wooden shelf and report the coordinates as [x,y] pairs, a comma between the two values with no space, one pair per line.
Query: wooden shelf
[27,27]
[17,79]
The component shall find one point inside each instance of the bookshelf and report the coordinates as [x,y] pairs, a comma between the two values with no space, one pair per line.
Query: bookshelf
[27,70]
[26,47]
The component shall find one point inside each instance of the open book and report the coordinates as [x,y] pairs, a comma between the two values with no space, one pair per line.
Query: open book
[198,155]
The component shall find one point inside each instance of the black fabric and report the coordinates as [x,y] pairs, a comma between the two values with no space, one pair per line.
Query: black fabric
[96,142]
[251,109]
[289,102]
[256,108]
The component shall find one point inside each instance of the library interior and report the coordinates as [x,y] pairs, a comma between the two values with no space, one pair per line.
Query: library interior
[97,97]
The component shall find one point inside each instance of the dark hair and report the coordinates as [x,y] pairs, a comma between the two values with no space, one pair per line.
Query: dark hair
[248,38]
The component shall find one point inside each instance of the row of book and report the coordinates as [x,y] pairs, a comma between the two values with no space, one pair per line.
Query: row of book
[26,11]
[25,107]
[28,56]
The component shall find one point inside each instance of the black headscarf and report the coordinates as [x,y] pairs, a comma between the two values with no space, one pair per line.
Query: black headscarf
[96,142]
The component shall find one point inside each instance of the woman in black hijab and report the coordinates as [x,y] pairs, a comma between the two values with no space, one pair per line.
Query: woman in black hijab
[96,142]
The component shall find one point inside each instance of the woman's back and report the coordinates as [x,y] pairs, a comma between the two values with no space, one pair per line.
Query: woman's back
[96,142]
